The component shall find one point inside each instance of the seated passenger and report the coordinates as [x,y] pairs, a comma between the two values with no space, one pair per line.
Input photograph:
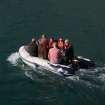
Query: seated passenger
[33,48]
[43,47]
[75,64]
[60,43]
[69,52]
[54,54]
[51,41]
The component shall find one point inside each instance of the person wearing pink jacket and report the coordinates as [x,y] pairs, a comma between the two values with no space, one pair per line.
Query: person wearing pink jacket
[54,54]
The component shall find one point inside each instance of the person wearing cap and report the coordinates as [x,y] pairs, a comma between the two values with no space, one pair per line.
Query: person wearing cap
[54,54]
[69,52]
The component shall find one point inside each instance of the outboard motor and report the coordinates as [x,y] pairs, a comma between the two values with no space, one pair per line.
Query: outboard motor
[75,64]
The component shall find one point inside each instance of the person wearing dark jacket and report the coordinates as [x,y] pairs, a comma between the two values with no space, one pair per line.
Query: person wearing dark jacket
[33,48]
[68,52]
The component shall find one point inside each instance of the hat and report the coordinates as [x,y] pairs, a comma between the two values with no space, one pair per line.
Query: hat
[66,41]
[43,35]
[33,39]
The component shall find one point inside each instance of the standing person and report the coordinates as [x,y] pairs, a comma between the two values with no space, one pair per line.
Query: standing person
[60,43]
[54,54]
[33,48]
[51,41]
[69,52]
[43,47]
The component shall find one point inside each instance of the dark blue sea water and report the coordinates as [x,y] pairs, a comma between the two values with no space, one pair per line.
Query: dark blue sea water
[83,22]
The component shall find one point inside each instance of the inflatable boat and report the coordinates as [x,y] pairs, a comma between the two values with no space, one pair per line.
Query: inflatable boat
[63,70]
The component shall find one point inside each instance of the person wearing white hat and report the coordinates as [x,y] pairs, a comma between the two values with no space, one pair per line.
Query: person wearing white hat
[69,52]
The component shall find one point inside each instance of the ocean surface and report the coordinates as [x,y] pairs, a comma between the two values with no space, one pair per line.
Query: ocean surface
[81,21]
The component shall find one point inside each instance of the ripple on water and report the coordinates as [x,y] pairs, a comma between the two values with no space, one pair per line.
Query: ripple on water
[91,77]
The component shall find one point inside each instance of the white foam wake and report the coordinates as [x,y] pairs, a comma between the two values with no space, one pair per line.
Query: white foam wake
[13,58]
[92,77]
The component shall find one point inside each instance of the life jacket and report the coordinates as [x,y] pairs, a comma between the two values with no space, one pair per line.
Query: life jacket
[51,44]
[67,46]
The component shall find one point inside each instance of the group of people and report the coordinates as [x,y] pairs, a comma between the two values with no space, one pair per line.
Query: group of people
[58,51]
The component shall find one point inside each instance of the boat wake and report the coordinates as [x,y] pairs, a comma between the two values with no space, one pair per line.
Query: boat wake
[93,77]
[34,73]
[90,77]
[13,58]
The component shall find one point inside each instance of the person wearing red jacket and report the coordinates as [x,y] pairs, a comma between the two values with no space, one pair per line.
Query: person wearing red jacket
[51,41]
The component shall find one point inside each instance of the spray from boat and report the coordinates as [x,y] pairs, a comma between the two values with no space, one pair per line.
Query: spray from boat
[90,77]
